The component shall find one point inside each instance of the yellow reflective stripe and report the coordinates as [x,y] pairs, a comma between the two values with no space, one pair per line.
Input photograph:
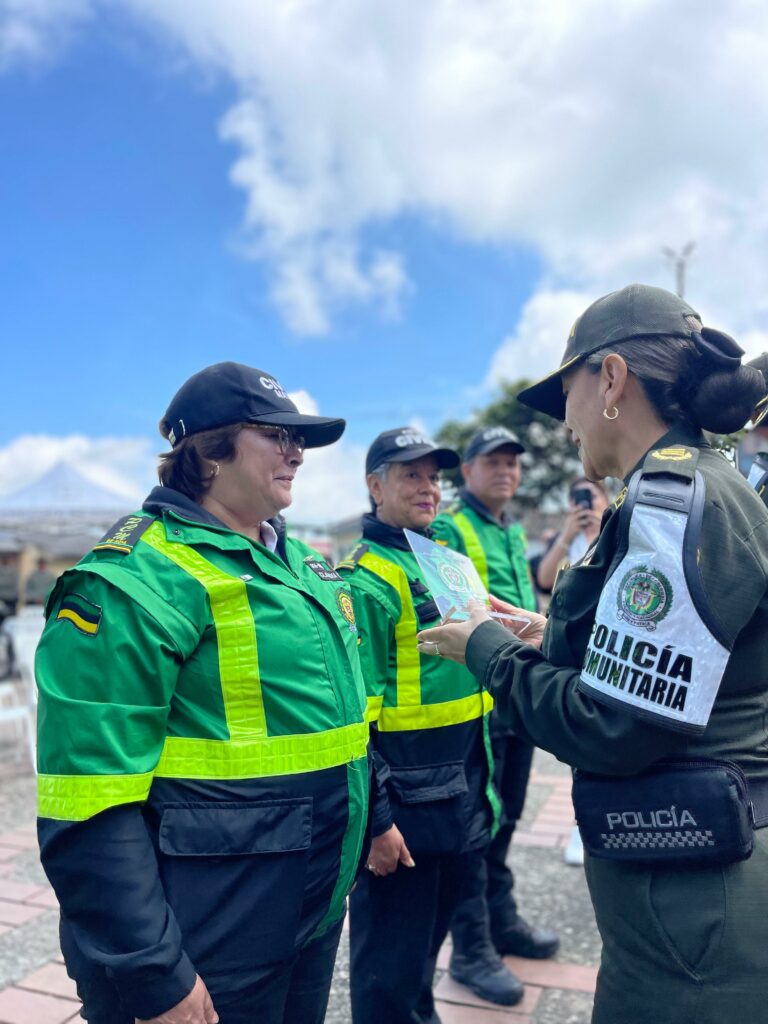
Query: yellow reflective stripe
[434,716]
[408,658]
[77,797]
[472,543]
[235,634]
[258,758]
[373,708]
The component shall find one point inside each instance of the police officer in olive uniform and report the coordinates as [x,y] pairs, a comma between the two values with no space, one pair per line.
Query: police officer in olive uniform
[651,675]
[433,801]
[755,465]
[202,749]
[478,525]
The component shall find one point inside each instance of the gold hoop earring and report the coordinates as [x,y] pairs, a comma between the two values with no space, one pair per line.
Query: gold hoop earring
[615,413]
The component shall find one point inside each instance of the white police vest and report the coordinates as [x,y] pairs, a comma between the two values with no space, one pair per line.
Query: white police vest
[656,646]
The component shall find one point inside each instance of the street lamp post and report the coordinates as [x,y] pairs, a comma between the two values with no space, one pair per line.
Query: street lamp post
[679,261]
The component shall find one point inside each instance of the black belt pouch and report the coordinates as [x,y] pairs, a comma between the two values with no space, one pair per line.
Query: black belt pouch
[677,812]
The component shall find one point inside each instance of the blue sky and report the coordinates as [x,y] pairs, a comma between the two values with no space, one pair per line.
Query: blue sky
[124,271]
[391,215]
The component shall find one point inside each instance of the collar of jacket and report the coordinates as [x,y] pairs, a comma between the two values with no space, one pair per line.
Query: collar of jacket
[482,510]
[678,433]
[389,536]
[162,500]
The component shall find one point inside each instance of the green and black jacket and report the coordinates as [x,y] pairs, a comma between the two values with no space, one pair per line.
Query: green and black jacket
[202,753]
[429,718]
[497,548]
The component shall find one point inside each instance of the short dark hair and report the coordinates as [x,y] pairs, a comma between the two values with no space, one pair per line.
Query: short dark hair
[684,386]
[183,468]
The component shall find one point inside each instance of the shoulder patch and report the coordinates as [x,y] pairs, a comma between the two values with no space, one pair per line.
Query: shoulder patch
[678,460]
[84,615]
[346,607]
[350,561]
[124,534]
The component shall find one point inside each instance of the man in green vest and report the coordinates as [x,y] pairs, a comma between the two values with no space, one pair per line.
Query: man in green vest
[478,525]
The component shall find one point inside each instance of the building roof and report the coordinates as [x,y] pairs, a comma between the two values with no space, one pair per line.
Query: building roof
[63,492]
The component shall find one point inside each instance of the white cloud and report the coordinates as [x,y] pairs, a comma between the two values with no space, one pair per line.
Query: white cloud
[329,486]
[582,129]
[124,465]
[36,29]
[537,345]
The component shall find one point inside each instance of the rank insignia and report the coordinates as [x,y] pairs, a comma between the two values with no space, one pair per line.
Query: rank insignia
[124,534]
[84,615]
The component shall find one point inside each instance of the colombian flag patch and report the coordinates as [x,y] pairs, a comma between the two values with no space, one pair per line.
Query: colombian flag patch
[83,614]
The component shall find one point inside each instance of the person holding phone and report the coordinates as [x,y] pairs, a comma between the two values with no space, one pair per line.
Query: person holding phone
[587,500]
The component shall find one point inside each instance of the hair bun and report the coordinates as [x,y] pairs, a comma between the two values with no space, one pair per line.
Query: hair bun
[723,400]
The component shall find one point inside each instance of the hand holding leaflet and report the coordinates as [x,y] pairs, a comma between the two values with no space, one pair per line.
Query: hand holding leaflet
[456,585]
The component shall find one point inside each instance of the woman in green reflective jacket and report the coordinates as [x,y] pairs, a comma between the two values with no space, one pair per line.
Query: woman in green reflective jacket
[203,774]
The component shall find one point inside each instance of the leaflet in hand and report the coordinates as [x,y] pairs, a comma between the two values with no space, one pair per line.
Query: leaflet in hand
[450,576]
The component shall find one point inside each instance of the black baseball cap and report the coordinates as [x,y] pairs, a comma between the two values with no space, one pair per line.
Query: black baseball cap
[228,393]
[488,440]
[637,311]
[404,444]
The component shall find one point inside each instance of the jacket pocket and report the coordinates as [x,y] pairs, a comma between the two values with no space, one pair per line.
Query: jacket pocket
[428,805]
[234,876]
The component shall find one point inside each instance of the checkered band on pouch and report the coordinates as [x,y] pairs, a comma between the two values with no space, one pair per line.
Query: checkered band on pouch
[686,840]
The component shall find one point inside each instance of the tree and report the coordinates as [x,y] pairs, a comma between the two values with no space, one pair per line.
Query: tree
[551,461]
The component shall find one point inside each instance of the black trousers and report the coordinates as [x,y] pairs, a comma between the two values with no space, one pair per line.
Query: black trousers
[487,897]
[397,925]
[293,992]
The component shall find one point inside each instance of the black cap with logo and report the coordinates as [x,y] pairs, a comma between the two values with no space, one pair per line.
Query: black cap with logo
[228,393]
[637,311]
[404,444]
[488,440]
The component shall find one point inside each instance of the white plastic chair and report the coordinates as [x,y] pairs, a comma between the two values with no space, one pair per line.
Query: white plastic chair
[18,703]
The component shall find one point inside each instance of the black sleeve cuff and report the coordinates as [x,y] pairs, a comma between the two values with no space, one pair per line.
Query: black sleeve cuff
[484,644]
[153,991]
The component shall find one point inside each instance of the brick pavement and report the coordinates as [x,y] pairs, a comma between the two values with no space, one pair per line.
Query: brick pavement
[47,996]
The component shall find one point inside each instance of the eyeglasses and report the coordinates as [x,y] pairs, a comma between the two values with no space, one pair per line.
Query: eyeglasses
[285,439]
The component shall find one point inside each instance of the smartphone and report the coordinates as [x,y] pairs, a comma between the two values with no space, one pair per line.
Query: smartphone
[581,497]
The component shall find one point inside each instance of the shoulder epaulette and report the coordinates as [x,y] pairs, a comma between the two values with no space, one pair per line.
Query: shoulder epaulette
[350,561]
[124,535]
[678,460]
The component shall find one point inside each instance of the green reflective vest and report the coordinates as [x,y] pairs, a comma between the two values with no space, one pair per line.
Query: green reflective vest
[179,657]
[498,552]
[407,691]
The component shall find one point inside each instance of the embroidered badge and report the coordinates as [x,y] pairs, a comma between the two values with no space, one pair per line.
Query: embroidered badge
[677,454]
[125,534]
[84,615]
[347,609]
[644,597]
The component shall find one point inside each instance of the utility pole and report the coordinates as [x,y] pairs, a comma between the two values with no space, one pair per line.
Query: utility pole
[679,261]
